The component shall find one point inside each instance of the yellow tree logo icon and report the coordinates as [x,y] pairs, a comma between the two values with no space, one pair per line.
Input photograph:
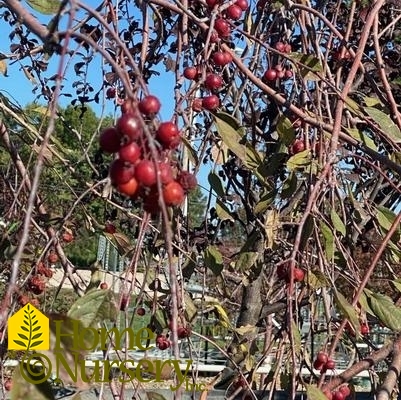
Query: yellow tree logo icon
[28,329]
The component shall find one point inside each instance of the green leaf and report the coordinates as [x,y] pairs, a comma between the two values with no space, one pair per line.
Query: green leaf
[155,396]
[328,240]
[229,119]
[337,222]
[289,186]
[385,310]
[385,123]
[385,217]
[363,300]
[215,183]
[246,260]
[285,130]
[190,308]
[397,284]
[214,260]
[296,337]
[316,280]
[223,212]
[94,307]
[313,393]
[308,65]
[371,101]
[47,7]
[347,311]
[307,231]
[362,137]
[232,139]
[299,160]
[264,202]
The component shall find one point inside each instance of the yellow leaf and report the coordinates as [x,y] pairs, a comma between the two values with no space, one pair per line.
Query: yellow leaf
[3,67]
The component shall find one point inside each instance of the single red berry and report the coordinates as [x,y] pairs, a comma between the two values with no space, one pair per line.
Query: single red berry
[322,357]
[111,93]
[297,146]
[149,105]
[337,395]
[67,237]
[197,105]
[345,390]
[166,173]
[120,172]
[222,27]
[183,332]
[318,365]
[191,73]
[234,12]
[299,275]
[8,384]
[168,134]
[173,194]
[288,74]
[110,140]
[287,48]
[222,58]
[242,4]
[212,3]
[270,74]
[164,345]
[129,127]
[130,153]
[365,329]
[213,81]
[280,46]
[52,257]
[280,71]
[109,228]
[129,188]
[128,107]
[187,180]
[140,311]
[145,173]
[210,102]
[330,364]
[104,286]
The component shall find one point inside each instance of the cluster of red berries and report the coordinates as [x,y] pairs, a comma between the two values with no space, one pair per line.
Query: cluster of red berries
[42,269]
[163,342]
[323,362]
[36,285]
[212,81]
[134,173]
[284,273]
[341,394]
[279,71]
